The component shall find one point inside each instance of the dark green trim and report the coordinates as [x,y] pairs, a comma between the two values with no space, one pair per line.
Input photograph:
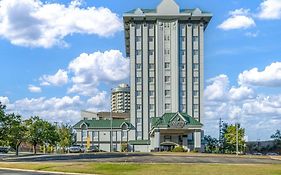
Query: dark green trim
[139,142]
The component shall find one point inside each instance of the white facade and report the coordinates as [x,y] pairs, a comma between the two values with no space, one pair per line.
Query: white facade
[120,99]
[166,50]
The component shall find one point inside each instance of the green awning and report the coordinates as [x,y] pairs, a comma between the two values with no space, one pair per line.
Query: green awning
[139,142]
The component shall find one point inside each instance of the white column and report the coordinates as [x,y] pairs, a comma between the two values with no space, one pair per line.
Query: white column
[197,139]
[157,139]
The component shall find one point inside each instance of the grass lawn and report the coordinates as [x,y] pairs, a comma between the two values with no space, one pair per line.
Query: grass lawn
[151,169]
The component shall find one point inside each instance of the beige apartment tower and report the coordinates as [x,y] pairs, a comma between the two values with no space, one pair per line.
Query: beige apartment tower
[120,99]
[166,50]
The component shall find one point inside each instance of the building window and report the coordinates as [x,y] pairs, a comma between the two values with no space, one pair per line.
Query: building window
[151,66]
[150,26]
[138,66]
[167,65]
[183,66]
[183,93]
[151,79]
[167,93]
[182,38]
[138,52]
[138,38]
[138,120]
[95,134]
[138,93]
[196,93]
[166,51]
[182,52]
[195,52]
[139,134]
[138,79]
[124,133]
[167,38]
[138,107]
[195,80]
[182,80]
[167,79]
[150,38]
[151,93]
[151,52]
[151,106]
[138,26]
[167,106]
[195,38]
[196,66]
[195,107]
[84,134]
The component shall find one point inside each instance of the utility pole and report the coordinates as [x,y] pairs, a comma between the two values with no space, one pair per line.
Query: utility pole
[111,131]
[220,132]
[237,150]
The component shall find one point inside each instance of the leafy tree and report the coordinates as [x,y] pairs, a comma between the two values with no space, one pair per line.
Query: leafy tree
[66,134]
[229,139]
[16,131]
[3,127]
[277,140]
[212,144]
[41,132]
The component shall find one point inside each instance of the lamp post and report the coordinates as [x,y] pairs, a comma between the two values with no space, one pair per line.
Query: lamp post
[111,128]
[237,149]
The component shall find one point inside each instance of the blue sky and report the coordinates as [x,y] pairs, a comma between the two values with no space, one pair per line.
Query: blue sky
[60,56]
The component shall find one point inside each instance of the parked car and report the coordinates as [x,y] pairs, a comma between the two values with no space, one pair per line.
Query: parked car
[75,149]
[257,154]
[272,154]
[93,149]
[4,149]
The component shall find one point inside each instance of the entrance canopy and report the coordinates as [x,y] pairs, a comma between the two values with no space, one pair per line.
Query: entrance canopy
[175,123]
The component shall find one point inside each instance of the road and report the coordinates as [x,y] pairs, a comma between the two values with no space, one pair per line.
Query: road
[11,172]
[146,158]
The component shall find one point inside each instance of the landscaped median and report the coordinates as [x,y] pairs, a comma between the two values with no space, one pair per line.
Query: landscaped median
[150,169]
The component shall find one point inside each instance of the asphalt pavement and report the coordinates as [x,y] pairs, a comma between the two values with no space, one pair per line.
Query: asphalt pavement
[12,172]
[145,158]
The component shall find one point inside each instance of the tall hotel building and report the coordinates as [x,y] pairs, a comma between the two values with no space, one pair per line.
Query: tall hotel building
[166,50]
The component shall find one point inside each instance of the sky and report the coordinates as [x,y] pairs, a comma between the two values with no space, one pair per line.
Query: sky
[60,56]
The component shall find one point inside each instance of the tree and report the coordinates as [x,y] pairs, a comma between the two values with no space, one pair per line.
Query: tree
[277,140]
[212,144]
[229,139]
[66,134]
[41,132]
[16,131]
[3,127]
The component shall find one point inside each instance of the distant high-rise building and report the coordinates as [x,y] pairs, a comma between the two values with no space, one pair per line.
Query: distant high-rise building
[166,50]
[120,99]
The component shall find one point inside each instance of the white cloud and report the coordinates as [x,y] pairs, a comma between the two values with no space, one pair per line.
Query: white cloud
[4,100]
[92,69]
[59,79]
[217,88]
[255,111]
[34,89]
[239,19]
[65,109]
[270,9]
[33,23]
[270,76]
[241,93]
[99,102]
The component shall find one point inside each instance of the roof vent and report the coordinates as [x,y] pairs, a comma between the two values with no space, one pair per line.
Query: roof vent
[138,11]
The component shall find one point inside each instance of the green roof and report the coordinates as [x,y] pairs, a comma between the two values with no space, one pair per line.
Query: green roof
[100,124]
[166,119]
[139,142]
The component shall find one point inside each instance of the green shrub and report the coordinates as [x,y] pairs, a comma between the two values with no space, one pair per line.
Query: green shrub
[179,149]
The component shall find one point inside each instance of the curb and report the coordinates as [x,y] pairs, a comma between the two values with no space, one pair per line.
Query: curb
[39,171]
